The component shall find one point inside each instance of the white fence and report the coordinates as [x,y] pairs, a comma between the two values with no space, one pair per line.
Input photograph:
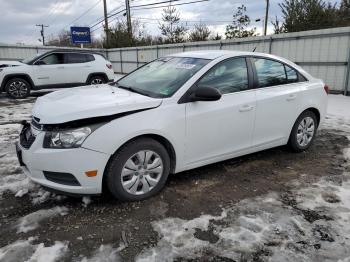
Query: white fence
[323,53]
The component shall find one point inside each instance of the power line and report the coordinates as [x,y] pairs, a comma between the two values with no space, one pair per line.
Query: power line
[84,13]
[158,3]
[109,16]
[164,6]
[51,11]
[186,3]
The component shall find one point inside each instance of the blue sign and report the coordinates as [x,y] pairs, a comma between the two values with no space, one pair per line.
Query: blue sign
[80,35]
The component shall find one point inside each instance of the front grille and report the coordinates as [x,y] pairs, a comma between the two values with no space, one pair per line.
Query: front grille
[26,137]
[61,178]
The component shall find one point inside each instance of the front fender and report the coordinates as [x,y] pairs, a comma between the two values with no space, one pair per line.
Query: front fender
[111,136]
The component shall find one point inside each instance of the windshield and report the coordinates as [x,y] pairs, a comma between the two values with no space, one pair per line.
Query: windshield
[162,77]
[30,60]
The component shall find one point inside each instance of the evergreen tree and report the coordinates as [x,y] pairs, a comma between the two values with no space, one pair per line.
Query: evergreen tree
[200,32]
[240,24]
[170,27]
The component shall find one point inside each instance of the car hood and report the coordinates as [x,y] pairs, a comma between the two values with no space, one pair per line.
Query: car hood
[88,102]
[9,63]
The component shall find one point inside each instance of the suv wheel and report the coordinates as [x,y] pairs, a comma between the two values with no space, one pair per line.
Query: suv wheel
[139,170]
[303,132]
[17,88]
[97,80]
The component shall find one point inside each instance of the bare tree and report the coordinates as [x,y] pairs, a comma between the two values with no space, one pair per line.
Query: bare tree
[278,27]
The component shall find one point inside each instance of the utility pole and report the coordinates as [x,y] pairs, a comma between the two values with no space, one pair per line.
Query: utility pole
[266,16]
[106,22]
[42,31]
[128,18]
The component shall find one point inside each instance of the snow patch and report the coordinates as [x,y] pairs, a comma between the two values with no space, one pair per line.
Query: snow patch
[24,250]
[106,253]
[86,201]
[32,221]
[308,224]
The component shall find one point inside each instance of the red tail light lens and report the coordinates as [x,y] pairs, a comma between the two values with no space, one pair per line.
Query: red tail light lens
[326,88]
[109,66]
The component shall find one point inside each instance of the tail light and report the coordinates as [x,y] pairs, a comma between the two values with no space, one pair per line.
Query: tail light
[109,66]
[326,88]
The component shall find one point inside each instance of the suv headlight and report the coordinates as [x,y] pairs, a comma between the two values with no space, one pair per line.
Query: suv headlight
[70,138]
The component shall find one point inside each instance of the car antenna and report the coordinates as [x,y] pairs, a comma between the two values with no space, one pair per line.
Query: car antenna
[254,49]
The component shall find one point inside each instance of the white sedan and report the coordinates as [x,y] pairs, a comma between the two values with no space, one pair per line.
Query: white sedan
[176,113]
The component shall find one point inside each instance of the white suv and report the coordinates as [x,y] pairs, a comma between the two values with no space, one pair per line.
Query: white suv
[176,113]
[54,69]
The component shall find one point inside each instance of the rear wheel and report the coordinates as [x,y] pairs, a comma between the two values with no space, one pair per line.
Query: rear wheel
[97,80]
[303,132]
[17,88]
[138,170]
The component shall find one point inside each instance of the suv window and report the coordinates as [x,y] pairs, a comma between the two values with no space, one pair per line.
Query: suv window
[53,59]
[73,58]
[228,76]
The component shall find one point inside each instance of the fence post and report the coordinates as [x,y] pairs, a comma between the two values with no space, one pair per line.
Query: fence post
[157,49]
[220,45]
[121,61]
[270,45]
[183,48]
[137,57]
[346,86]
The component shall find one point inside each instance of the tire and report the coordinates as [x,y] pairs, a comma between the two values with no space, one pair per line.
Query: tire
[96,80]
[303,132]
[124,178]
[17,88]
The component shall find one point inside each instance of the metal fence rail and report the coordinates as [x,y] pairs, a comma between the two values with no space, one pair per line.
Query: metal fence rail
[323,53]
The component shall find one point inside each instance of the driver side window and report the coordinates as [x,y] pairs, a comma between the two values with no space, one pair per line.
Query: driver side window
[228,76]
[53,59]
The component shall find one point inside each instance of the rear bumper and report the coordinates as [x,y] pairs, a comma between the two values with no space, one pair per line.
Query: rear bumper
[36,160]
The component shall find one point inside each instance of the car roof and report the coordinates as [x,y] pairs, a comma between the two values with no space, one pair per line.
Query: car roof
[82,51]
[213,54]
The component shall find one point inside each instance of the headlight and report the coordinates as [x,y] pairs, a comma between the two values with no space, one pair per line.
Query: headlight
[70,138]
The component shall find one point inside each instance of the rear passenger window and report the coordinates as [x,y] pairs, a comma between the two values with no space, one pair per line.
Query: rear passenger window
[270,73]
[228,76]
[292,75]
[89,58]
[73,58]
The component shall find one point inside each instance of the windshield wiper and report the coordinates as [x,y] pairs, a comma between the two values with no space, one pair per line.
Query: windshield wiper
[129,88]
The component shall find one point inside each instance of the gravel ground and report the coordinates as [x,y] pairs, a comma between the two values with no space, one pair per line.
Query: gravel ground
[269,206]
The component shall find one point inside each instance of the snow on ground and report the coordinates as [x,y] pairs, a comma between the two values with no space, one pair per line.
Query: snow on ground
[106,253]
[308,224]
[25,250]
[311,223]
[32,220]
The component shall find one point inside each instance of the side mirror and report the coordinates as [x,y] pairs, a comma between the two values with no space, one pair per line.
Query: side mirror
[205,94]
[39,62]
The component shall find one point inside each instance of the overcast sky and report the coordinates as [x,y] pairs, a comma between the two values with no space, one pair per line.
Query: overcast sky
[19,17]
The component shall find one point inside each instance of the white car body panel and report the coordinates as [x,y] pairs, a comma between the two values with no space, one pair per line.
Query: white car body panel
[56,75]
[199,132]
[94,101]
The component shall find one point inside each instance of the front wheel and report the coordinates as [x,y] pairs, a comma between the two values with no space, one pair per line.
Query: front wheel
[17,88]
[138,170]
[303,132]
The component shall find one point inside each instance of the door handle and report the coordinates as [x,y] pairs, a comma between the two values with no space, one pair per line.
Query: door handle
[60,67]
[246,108]
[291,97]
